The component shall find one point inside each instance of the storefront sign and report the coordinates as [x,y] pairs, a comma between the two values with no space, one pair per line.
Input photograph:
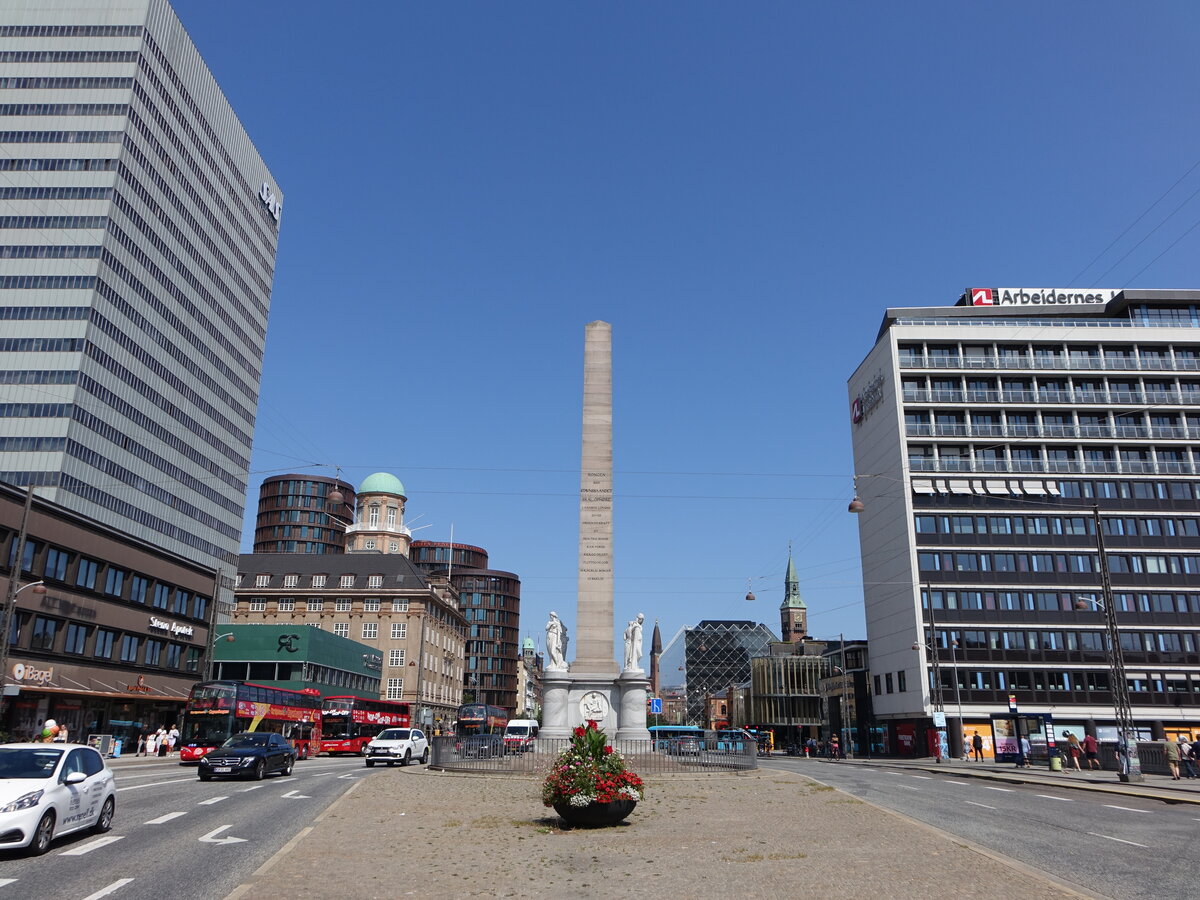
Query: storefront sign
[140,687]
[866,401]
[1034,296]
[173,627]
[30,675]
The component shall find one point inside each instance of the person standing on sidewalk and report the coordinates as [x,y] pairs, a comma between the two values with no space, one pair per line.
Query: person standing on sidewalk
[1172,750]
[1091,750]
[1025,753]
[1185,757]
[977,747]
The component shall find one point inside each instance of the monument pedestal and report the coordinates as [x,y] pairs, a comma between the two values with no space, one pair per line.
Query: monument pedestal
[616,705]
[631,723]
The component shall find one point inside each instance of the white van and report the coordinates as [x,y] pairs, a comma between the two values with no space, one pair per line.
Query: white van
[519,735]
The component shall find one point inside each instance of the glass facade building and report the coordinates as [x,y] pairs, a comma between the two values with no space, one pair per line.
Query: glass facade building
[138,230]
[990,437]
[707,658]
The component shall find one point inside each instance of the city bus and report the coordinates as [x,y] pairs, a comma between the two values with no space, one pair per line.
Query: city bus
[676,739]
[479,730]
[349,723]
[217,709]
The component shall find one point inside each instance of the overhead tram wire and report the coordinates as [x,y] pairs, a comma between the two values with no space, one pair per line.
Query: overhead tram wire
[1148,235]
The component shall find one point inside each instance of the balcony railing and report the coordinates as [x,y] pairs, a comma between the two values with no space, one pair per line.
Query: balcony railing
[1054,432]
[1061,363]
[953,464]
[1050,395]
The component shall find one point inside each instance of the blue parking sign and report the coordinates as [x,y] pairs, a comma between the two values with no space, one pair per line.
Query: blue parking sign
[656,706]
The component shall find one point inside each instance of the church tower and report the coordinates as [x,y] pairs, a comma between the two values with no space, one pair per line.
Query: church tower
[793,614]
[655,653]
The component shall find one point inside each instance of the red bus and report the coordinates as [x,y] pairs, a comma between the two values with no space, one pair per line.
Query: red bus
[217,709]
[349,723]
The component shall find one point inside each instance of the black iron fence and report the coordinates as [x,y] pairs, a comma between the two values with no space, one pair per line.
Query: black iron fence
[487,755]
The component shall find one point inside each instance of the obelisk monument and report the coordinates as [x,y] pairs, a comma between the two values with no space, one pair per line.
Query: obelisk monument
[593,686]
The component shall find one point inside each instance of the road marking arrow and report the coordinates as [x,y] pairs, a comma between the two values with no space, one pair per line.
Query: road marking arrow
[211,837]
[292,795]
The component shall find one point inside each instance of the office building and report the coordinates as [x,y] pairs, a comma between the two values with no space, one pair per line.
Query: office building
[296,514]
[704,659]
[138,229]
[989,436]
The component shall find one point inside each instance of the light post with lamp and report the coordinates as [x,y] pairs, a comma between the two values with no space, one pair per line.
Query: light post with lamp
[939,709]
[212,649]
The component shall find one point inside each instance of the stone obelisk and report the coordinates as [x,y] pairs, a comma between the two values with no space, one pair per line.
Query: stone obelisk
[594,613]
[594,687]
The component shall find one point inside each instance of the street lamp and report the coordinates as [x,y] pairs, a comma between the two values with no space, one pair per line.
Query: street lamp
[212,649]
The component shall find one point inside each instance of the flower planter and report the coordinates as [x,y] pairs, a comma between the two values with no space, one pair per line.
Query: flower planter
[595,815]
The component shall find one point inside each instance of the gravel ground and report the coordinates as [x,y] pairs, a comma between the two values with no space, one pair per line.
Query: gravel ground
[417,832]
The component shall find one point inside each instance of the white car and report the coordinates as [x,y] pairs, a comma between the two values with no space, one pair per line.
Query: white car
[398,745]
[49,790]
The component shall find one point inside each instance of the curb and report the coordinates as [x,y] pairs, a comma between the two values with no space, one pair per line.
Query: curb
[1018,779]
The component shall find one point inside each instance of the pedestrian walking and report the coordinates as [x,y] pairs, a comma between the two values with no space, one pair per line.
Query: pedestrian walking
[1172,751]
[1075,748]
[160,741]
[151,744]
[1025,753]
[141,748]
[1185,757]
[1091,751]
[977,747]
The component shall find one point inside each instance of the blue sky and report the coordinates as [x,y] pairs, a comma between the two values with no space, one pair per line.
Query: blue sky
[740,189]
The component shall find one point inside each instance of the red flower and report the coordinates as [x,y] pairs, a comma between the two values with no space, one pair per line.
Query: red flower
[608,748]
[579,731]
[592,724]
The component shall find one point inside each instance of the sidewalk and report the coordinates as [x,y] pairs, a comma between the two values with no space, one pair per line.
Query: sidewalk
[765,833]
[1155,787]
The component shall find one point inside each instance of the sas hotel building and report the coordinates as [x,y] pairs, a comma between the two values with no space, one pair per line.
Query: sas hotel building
[985,433]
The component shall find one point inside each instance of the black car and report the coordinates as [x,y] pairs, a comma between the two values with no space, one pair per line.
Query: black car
[249,755]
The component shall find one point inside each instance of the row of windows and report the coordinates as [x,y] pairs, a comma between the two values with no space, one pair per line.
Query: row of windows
[342,604]
[1054,458]
[263,580]
[59,56]
[1044,356]
[1123,601]
[32,444]
[191,427]
[232,323]
[151,426]
[167,222]
[215,142]
[127,510]
[61,565]
[154,363]
[1057,525]
[42,222]
[58,165]
[217,195]
[369,544]
[34,410]
[47,283]
[70,30]
[68,251]
[1092,641]
[1039,680]
[60,84]
[1118,563]
[63,109]
[60,137]
[72,638]
[311,672]
[44,313]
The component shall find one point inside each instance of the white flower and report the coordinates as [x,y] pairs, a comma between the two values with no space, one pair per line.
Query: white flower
[580,800]
[629,792]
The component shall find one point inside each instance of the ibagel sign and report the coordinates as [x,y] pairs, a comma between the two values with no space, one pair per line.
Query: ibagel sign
[1034,296]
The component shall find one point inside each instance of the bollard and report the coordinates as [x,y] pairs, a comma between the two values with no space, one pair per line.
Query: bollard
[1056,763]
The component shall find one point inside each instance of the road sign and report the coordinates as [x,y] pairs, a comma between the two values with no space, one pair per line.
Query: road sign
[939,719]
[1012,702]
[656,706]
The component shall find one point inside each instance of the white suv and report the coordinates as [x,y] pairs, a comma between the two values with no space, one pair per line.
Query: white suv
[398,745]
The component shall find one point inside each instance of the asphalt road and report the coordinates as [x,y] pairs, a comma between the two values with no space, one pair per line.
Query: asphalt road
[1107,845]
[175,836]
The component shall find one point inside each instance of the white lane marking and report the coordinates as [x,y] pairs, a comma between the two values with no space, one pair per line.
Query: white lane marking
[319,774]
[94,845]
[1052,797]
[923,777]
[1118,840]
[211,837]
[984,805]
[908,787]
[1128,809]
[948,781]
[211,801]
[1006,790]
[163,820]
[4,881]
[249,789]
[294,795]
[349,775]
[112,888]
[892,773]
[135,787]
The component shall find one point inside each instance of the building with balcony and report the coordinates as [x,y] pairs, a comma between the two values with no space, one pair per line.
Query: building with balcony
[296,514]
[991,437]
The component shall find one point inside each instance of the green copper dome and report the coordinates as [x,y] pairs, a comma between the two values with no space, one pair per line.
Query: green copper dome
[382,483]
[527,644]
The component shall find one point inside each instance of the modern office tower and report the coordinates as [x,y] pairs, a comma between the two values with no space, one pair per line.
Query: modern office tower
[296,514]
[707,658]
[491,602]
[989,437]
[138,227]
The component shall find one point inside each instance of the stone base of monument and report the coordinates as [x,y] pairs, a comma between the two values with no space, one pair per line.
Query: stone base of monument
[616,705]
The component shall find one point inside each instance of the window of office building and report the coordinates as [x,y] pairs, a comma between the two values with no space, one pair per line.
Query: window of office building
[314,604]
[395,658]
[76,637]
[399,631]
[287,604]
[347,581]
[370,630]
[341,629]
[371,605]
[258,604]
[395,689]
[129,648]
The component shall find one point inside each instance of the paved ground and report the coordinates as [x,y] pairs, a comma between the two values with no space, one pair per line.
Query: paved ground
[766,833]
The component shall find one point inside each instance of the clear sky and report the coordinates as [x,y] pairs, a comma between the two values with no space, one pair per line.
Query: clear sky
[741,189]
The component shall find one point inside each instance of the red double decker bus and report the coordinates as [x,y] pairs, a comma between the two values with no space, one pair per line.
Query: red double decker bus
[349,723]
[217,709]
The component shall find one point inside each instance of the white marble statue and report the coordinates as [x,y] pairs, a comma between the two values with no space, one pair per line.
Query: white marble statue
[633,644]
[556,644]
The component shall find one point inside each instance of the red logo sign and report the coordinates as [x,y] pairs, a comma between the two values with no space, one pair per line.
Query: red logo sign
[982,297]
[856,410]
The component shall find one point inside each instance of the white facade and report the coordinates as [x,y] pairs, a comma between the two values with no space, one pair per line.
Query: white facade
[138,229]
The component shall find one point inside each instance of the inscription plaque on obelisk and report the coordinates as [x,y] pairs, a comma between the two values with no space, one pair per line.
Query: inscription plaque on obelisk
[594,625]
